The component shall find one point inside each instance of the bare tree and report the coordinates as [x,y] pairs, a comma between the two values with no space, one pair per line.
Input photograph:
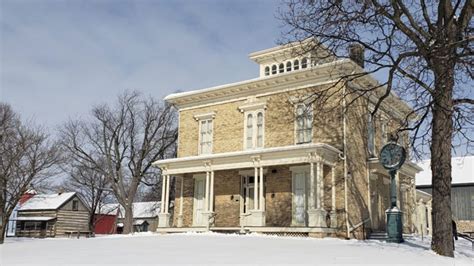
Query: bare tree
[27,157]
[122,142]
[425,50]
[89,183]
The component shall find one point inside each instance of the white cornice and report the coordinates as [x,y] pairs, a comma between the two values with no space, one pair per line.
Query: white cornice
[287,155]
[210,115]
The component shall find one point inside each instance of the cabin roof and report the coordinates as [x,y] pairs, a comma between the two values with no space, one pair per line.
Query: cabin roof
[47,201]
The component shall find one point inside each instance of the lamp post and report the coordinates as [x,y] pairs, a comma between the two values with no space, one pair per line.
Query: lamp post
[392,157]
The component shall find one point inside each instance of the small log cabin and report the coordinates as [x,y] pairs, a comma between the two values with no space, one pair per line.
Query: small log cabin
[51,215]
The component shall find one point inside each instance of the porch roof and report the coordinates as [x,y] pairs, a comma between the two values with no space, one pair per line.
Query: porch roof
[294,154]
[408,168]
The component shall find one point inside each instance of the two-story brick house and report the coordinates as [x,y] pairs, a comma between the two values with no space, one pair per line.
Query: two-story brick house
[266,155]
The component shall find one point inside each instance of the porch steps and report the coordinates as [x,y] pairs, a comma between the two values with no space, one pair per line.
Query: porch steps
[384,236]
[378,236]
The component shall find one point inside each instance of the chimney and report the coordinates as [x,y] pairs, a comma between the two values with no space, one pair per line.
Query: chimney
[356,54]
[25,197]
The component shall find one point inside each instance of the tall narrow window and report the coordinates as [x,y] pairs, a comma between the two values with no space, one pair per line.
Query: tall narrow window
[254,129]
[370,135]
[296,65]
[260,130]
[288,66]
[249,137]
[281,68]
[274,69]
[205,144]
[304,63]
[267,71]
[304,124]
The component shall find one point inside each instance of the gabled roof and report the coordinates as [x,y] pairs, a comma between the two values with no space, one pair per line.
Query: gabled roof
[140,209]
[47,201]
[462,171]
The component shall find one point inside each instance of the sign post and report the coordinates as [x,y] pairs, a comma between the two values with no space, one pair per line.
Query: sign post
[392,157]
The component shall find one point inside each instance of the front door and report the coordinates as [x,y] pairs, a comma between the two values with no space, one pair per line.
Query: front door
[199,186]
[299,199]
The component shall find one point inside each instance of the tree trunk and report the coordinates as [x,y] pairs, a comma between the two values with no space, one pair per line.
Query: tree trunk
[128,219]
[3,227]
[442,131]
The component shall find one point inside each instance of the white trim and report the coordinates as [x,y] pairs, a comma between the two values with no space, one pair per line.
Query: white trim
[206,116]
[253,106]
[296,154]
[282,90]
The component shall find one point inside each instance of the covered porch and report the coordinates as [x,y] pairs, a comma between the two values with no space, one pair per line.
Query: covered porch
[274,190]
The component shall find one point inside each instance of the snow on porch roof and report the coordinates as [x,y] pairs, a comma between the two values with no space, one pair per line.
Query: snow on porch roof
[47,201]
[462,171]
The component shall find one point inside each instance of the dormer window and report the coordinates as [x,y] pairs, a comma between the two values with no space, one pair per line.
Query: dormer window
[304,63]
[281,68]
[288,66]
[296,65]
[267,71]
[274,69]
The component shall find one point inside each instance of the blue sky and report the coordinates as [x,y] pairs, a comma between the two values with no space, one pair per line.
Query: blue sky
[58,58]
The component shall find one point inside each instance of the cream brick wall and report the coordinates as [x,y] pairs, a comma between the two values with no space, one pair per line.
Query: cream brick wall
[279,125]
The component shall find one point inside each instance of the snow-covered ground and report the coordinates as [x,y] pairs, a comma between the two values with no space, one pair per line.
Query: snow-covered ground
[212,248]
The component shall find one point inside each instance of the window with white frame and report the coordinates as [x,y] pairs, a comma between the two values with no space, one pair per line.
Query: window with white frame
[254,129]
[205,136]
[304,123]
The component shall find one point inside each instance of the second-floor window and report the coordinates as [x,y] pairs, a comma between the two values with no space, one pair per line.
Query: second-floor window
[304,123]
[205,136]
[254,129]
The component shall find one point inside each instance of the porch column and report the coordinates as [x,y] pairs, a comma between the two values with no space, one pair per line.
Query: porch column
[211,198]
[311,186]
[163,192]
[333,198]
[164,216]
[321,184]
[318,185]
[167,197]
[180,216]
[262,195]
[317,217]
[206,197]
[255,189]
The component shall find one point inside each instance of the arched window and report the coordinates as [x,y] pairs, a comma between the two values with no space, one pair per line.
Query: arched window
[260,130]
[288,67]
[296,65]
[304,63]
[249,137]
[281,68]
[267,71]
[274,69]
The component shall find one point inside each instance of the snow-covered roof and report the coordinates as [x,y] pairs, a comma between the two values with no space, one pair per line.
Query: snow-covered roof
[140,209]
[34,218]
[462,171]
[47,201]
